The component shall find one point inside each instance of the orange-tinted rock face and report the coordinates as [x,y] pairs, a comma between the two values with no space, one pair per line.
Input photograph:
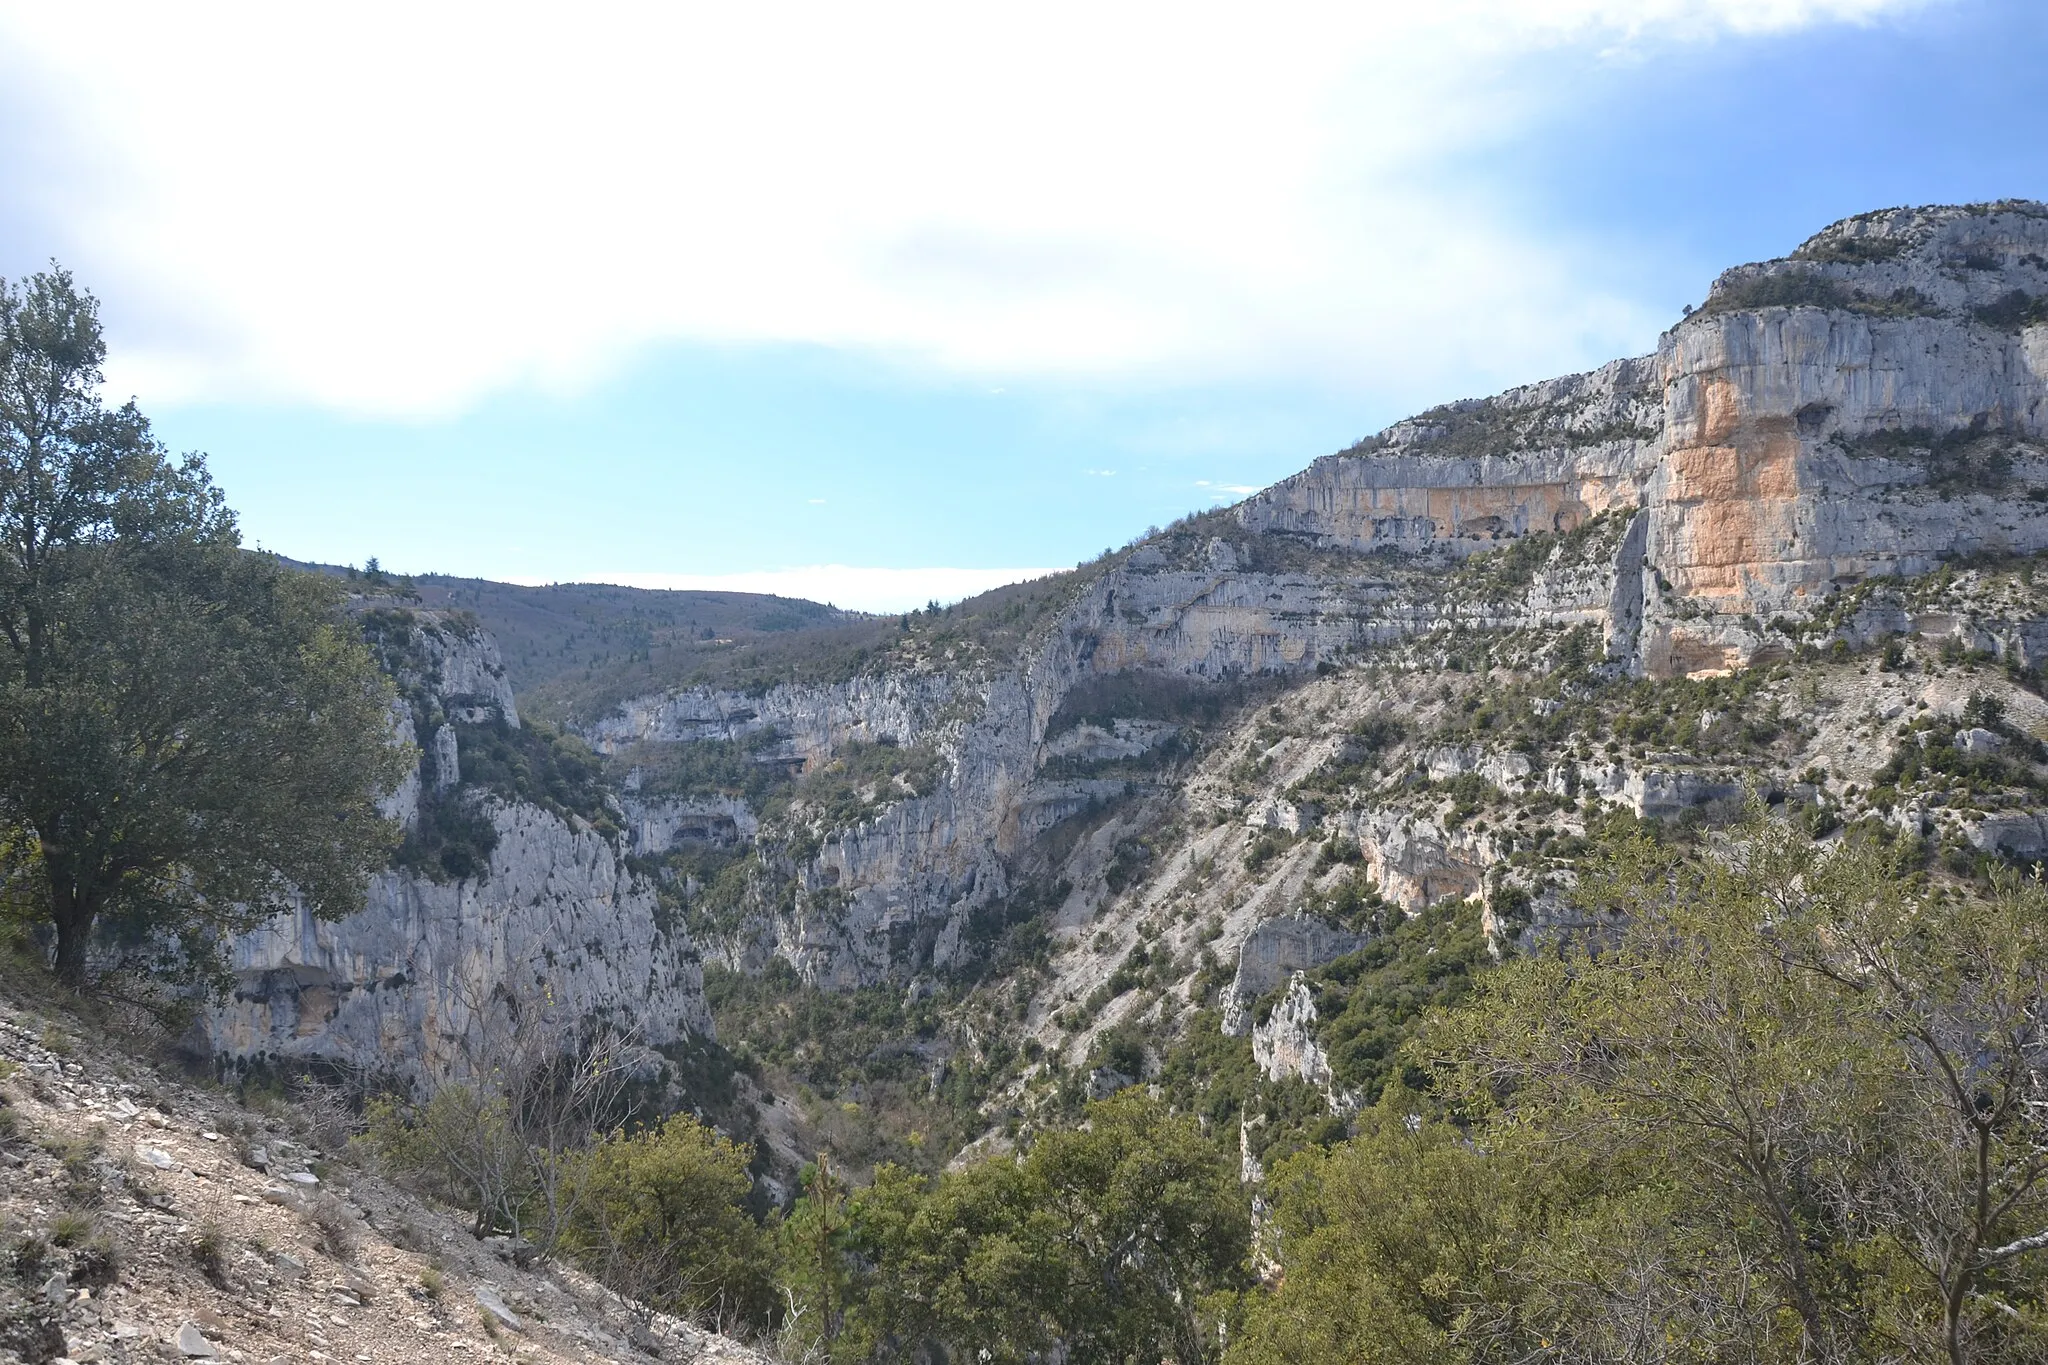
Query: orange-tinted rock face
[1756,439]
[1729,508]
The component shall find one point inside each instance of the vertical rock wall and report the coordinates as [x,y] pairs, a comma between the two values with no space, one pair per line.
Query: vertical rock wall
[556,920]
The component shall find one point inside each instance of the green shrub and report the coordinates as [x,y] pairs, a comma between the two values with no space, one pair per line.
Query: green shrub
[459,1148]
[1115,1241]
[1850,250]
[452,840]
[660,1215]
[535,763]
[208,1249]
[72,1229]
[2014,311]
[1805,289]
[1783,289]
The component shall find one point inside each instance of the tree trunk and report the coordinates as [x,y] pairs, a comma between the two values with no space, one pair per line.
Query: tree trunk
[73,915]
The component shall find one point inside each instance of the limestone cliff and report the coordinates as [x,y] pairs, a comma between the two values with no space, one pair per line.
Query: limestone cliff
[1874,404]
[1424,672]
[552,916]
[1871,406]
[1285,1045]
[400,985]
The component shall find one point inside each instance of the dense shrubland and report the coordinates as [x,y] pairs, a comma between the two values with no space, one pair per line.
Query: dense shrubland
[1784,1102]
[1789,1108]
[1793,1113]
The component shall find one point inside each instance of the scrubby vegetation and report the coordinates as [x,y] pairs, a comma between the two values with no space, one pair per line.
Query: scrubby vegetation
[1809,289]
[753,644]
[1972,459]
[1845,250]
[1493,426]
[2015,311]
[1769,1123]
[751,768]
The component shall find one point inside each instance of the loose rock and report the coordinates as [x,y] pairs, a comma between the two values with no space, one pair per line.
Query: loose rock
[487,1298]
[193,1345]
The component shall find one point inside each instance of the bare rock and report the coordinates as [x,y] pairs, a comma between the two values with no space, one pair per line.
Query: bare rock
[1979,743]
[489,1300]
[193,1345]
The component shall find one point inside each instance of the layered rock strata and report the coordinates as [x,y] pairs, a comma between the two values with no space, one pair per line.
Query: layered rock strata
[1873,405]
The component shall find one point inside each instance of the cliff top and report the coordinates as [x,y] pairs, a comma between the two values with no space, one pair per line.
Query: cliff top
[1983,264]
[1986,263]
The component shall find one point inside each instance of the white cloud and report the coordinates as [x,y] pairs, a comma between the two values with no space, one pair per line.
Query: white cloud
[399,208]
[856,589]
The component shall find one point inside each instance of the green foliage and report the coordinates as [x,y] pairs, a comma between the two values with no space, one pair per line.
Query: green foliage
[747,768]
[455,835]
[1488,426]
[1850,250]
[1971,459]
[452,839]
[812,1266]
[1011,938]
[872,1048]
[1102,699]
[1354,902]
[1502,573]
[461,1147]
[1806,289]
[1356,758]
[578,650]
[1728,715]
[1786,1115]
[1798,1083]
[1120,1240]
[537,764]
[2014,311]
[1369,1003]
[1214,1076]
[836,1038]
[1928,757]
[189,731]
[574,650]
[1269,845]
[862,777]
[1391,1242]
[661,1215]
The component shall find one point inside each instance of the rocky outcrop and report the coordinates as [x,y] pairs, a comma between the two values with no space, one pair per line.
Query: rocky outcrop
[811,719]
[1474,475]
[1415,861]
[556,921]
[404,983]
[446,666]
[1272,952]
[1285,1045]
[654,826]
[1811,427]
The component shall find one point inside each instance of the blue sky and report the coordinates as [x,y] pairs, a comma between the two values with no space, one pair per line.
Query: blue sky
[679,297]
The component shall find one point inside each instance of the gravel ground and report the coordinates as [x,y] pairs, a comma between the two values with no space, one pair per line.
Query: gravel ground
[143,1217]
